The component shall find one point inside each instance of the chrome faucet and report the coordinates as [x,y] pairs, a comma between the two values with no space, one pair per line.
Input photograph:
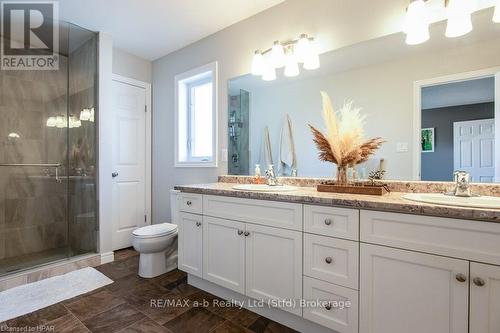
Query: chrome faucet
[462,184]
[271,179]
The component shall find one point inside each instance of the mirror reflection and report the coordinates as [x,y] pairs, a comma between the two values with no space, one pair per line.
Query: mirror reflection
[434,104]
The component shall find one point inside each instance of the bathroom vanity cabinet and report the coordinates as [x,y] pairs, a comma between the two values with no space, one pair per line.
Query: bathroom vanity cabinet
[398,272]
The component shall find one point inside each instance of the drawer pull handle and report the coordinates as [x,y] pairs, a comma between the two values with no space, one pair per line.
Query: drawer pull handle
[461,277]
[328,306]
[479,282]
[328,221]
[247,233]
[240,232]
[198,224]
[189,203]
[328,260]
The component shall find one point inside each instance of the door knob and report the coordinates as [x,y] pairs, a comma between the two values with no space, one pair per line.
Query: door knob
[198,224]
[478,281]
[247,233]
[328,260]
[328,306]
[461,277]
[240,232]
[328,221]
[114,174]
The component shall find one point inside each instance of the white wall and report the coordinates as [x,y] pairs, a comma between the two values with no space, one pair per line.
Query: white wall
[131,66]
[384,91]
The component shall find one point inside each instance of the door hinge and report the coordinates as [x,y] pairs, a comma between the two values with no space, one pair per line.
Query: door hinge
[145,218]
[145,108]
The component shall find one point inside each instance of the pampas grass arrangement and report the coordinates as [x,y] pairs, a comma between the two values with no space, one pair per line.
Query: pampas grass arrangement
[343,142]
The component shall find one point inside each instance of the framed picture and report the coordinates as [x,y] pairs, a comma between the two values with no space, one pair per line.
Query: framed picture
[427,139]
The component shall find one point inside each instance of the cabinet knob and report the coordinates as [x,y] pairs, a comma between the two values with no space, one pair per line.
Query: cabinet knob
[479,282]
[461,277]
[328,306]
[328,260]
[247,233]
[189,203]
[240,232]
[198,224]
[328,221]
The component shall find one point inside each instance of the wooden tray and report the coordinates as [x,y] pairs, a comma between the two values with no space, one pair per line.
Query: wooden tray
[360,189]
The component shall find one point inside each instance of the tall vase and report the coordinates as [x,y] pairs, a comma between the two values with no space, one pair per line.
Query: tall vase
[341,175]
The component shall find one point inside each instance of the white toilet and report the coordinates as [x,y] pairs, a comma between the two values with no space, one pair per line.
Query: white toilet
[157,245]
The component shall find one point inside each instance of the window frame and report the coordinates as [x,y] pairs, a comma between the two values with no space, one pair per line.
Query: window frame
[184,83]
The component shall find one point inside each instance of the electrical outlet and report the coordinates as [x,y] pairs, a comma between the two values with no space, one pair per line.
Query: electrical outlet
[223,155]
[402,147]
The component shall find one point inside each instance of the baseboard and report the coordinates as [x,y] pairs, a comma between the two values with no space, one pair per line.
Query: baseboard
[283,317]
[107,257]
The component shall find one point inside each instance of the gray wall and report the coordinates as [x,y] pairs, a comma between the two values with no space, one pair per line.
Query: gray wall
[131,66]
[438,165]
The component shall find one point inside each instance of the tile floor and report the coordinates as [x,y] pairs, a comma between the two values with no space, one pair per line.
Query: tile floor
[125,306]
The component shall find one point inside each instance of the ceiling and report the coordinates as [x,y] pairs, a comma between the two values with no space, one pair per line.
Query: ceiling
[459,93]
[153,28]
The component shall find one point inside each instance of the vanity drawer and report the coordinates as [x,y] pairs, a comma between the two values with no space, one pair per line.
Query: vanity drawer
[332,260]
[271,213]
[472,240]
[191,203]
[342,316]
[332,221]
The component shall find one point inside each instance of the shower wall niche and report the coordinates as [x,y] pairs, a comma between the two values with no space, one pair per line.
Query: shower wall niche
[238,133]
[48,164]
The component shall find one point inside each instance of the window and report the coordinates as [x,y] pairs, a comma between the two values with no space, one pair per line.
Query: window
[196,104]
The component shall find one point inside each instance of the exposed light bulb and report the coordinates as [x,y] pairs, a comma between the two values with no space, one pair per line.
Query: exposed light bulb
[61,122]
[85,115]
[278,55]
[291,67]
[416,23]
[269,73]
[92,115]
[51,122]
[302,48]
[459,17]
[13,135]
[311,60]
[257,63]
[496,16]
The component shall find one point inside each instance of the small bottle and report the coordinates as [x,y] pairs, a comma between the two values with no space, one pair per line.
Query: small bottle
[258,174]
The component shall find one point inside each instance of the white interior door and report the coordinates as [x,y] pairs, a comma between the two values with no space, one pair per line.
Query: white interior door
[474,149]
[129,162]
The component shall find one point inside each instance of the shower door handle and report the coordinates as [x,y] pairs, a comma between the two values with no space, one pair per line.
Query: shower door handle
[114,174]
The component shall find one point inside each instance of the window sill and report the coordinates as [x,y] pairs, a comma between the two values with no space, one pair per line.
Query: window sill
[196,165]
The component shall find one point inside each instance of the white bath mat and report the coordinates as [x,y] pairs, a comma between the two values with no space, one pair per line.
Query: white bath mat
[37,295]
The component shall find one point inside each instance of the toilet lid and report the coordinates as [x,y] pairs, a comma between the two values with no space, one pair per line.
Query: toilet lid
[155,230]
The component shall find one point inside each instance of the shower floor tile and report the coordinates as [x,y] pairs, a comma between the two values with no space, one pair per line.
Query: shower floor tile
[126,306]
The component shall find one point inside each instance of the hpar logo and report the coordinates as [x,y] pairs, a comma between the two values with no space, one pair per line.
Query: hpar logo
[30,33]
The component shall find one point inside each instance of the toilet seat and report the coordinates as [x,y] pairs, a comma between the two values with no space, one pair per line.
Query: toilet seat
[155,230]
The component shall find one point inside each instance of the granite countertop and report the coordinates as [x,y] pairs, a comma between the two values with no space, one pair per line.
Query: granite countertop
[392,202]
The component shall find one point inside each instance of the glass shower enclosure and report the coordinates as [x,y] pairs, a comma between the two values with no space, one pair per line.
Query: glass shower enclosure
[48,157]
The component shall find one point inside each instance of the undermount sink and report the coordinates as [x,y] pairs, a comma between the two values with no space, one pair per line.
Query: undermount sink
[264,188]
[449,200]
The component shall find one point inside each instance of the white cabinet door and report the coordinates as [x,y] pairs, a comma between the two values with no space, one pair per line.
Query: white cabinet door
[410,292]
[224,253]
[274,264]
[190,243]
[484,298]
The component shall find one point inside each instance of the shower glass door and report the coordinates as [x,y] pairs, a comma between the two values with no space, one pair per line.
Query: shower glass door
[48,157]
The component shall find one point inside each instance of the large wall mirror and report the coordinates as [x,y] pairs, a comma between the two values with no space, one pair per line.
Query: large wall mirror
[433,103]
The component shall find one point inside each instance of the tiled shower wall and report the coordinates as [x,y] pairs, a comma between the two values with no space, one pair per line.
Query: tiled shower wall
[33,206]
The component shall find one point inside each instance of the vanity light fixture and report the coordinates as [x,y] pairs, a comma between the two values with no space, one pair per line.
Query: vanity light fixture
[278,55]
[51,122]
[291,67]
[258,63]
[287,54]
[416,23]
[496,16]
[459,14]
